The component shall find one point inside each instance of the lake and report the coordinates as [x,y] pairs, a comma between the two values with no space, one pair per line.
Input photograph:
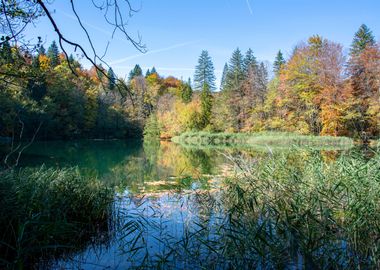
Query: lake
[174,210]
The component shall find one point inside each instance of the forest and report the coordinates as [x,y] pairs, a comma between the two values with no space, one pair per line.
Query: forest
[317,90]
[273,165]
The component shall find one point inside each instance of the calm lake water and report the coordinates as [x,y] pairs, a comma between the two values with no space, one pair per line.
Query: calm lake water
[167,203]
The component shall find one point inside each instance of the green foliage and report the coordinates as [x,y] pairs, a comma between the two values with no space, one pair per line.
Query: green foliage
[186,92]
[224,77]
[151,129]
[53,54]
[206,105]
[44,210]
[235,74]
[261,139]
[249,62]
[204,73]
[111,79]
[278,63]
[135,72]
[362,39]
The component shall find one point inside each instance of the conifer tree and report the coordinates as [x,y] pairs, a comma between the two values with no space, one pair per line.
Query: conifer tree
[206,105]
[362,39]
[187,92]
[278,63]
[153,70]
[52,53]
[224,76]
[41,50]
[111,79]
[135,72]
[249,62]
[204,76]
[235,75]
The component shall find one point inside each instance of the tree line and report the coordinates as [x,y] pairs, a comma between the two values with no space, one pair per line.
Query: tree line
[40,87]
[318,90]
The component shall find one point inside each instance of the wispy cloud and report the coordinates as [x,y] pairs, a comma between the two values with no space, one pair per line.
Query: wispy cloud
[72,17]
[249,7]
[165,68]
[169,48]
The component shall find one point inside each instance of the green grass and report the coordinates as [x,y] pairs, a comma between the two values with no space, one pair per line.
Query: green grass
[328,212]
[260,139]
[282,211]
[47,211]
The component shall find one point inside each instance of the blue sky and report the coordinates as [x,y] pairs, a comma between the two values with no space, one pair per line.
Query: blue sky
[175,31]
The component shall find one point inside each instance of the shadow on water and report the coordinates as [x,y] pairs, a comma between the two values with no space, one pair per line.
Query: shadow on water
[230,208]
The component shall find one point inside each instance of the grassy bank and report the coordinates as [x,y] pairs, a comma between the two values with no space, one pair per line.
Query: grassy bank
[259,139]
[47,211]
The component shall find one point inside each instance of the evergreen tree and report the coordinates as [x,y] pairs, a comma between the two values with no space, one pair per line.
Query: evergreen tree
[5,52]
[147,73]
[53,53]
[235,75]
[187,92]
[135,72]
[153,70]
[111,79]
[224,76]
[204,76]
[249,62]
[206,105]
[363,38]
[41,50]
[151,128]
[278,63]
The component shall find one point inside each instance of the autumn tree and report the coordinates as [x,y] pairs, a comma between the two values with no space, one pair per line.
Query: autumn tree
[364,68]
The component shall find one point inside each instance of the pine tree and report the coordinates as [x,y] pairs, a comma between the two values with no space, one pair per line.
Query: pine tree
[151,128]
[52,53]
[41,50]
[224,76]
[135,72]
[206,105]
[111,79]
[153,70]
[362,39]
[278,62]
[187,92]
[249,62]
[204,73]
[147,73]
[235,75]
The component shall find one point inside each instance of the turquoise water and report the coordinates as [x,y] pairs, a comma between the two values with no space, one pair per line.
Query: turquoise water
[169,211]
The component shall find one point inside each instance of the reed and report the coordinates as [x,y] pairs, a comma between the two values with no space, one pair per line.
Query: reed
[47,211]
[259,139]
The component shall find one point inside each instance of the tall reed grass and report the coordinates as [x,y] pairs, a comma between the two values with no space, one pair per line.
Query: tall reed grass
[259,139]
[47,211]
[295,210]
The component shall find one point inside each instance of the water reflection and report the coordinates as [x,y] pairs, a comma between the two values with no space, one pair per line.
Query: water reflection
[174,208]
